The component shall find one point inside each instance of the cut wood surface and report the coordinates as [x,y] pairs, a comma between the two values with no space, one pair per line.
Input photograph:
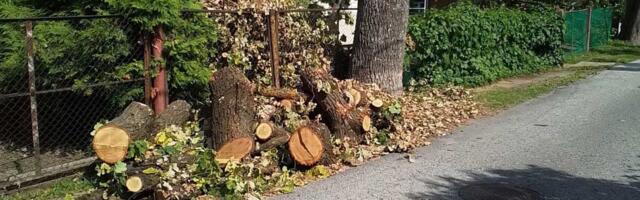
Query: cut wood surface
[377,103]
[233,115]
[287,105]
[310,144]
[234,150]
[139,182]
[355,97]
[110,144]
[263,131]
[134,184]
[177,113]
[366,123]
[111,141]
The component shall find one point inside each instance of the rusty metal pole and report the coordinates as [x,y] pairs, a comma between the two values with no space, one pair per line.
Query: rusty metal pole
[160,90]
[148,86]
[275,49]
[32,95]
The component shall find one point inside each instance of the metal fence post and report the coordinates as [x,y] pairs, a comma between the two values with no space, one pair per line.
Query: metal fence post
[588,40]
[32,95]
[275,49]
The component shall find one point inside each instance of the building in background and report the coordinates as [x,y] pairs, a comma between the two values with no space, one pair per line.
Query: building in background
[416,6]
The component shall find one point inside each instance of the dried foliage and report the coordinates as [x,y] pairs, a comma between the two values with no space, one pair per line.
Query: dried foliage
[186,168]
[244,42]
[429,113]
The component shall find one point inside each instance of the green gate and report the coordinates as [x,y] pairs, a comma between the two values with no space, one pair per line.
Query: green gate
[575,38]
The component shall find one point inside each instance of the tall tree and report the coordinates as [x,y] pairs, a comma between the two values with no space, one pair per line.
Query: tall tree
[381,27]
[631,22]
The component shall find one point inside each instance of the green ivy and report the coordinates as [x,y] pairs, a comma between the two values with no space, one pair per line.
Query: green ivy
[466,45]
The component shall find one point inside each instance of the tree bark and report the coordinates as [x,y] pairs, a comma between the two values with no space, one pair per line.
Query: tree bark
[280,93]
[631,22]
[233,114]
[136,119]
[343,119]
[281,137]
[381,28]
[177,113]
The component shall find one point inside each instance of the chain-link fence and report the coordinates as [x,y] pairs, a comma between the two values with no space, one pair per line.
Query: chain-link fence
[586,29]
[601,29]
[85,69]
[58,77]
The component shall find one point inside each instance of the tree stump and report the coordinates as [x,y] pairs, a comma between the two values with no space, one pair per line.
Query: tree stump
[233,115]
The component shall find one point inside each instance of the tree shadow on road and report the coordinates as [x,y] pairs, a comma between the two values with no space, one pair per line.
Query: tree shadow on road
[550,183]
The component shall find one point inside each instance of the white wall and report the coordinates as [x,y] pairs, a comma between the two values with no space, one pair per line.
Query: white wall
[347,30]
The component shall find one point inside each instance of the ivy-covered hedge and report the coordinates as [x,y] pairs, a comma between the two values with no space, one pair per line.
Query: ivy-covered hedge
[467,45]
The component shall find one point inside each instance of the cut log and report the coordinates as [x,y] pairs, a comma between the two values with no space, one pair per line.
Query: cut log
[139,182]
[355,97]
[263,131]
[111,144]
[266,130]
[233,115]
[377,103]
[279,136]
[343,119]
[111,141]
[274,142]
[177,113]
[310,144]
[280,93]
[366,123]
[134,184]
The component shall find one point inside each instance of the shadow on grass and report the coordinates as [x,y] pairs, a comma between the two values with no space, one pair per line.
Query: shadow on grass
[550,183]
[630,67]
[615,51]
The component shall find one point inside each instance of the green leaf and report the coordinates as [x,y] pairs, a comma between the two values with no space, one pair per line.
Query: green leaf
[151,170]
[119,168]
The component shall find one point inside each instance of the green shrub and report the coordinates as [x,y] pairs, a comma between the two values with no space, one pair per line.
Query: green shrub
[466,45]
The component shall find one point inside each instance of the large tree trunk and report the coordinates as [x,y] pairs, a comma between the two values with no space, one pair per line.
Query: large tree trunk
[631,22]
[378,54]
[233,116]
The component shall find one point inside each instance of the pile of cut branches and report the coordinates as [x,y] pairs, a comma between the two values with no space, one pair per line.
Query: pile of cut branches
[258,139]
[252,148]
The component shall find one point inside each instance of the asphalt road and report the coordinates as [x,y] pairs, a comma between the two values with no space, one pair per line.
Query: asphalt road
[579,142]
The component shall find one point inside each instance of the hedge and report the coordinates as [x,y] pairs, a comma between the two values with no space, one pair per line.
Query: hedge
[467,45]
